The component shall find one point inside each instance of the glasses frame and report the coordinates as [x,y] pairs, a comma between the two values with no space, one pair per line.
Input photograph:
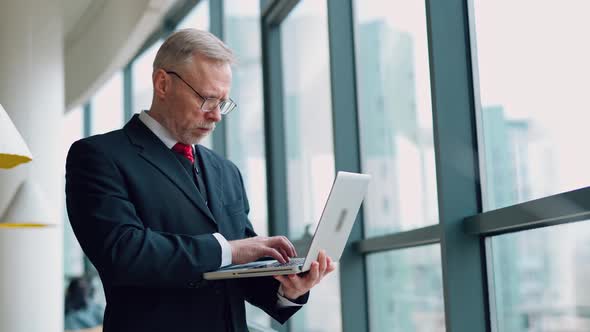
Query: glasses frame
[225,106]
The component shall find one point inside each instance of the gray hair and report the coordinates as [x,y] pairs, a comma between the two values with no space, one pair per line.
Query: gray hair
[182,45]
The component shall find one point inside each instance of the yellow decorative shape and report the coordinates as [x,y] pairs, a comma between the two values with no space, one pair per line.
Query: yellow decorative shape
[12,160]
[13,149]
[23,225]
[28,207]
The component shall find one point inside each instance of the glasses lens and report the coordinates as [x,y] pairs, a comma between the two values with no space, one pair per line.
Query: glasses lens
[210,104]
[227,106]
[224,106]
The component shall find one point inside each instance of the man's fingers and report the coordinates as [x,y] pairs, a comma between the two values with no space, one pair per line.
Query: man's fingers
[321,256]
[293,250]
[314,275]
[274,254]
[284,253]
[331,266]
[322,260]
[319,269]
[248,250]
[284,243]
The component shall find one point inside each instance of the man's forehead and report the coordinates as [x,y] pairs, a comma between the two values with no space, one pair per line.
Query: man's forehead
[212,77]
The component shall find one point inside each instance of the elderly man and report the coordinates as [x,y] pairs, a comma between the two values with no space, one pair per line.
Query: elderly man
[153,210]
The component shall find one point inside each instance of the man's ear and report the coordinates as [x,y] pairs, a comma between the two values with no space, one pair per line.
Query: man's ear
[161,83]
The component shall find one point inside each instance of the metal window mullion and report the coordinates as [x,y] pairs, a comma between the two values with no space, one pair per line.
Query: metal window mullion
[127,92]
[87,120]
[456,152]
[275,13]
[477,102]
[266,5]
[353,279]
[402,240]
[274,134]
[568,207]
[216,28]
[179,12]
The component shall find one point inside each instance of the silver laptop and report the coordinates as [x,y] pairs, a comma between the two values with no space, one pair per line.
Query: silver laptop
[340,210]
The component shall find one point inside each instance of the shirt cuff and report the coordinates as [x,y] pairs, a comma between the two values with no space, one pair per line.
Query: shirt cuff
[225,250]
[283,302]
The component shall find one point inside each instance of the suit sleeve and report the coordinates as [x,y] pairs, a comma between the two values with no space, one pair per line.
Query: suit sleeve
[114,238]
[263,291]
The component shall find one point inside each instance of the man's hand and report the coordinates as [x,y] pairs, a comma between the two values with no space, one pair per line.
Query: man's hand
[250,249]
[294,286]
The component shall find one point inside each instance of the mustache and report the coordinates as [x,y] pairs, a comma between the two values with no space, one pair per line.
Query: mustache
[210,125]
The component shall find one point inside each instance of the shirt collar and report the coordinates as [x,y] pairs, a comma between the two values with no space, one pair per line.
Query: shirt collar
[160,131]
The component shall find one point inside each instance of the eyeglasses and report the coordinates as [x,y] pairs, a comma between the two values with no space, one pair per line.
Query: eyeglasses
[210,104]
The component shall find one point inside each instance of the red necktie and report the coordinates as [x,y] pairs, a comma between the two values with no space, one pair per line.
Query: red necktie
[185,150]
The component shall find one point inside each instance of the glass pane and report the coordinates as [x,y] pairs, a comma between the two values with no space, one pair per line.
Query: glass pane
[73,129]
[245,126]
[533,81]
[73,126]
[197,18]
[541,278]
[141,73]
[107,106]
[405,290]
[395,116]
[309,145]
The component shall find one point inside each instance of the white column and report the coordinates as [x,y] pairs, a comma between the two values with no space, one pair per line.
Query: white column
[32,92]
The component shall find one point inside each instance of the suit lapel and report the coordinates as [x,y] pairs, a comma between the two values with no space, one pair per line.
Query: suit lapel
[157,154]
[213,178]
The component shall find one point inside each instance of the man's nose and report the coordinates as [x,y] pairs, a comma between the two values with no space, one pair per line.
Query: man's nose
[214,115]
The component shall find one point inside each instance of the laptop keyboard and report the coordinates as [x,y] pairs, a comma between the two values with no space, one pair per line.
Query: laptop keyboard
[292,262]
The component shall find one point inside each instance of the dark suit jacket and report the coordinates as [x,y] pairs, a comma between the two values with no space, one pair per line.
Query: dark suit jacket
[139,218]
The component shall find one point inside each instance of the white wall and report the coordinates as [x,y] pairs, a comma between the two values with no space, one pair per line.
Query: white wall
[32,92]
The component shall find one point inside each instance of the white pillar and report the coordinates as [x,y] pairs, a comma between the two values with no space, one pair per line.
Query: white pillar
[32,92]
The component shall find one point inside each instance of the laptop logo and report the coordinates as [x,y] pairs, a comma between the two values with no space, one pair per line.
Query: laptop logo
[343,214]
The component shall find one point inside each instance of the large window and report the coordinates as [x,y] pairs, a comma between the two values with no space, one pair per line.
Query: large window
[405,290]
[309,140]
[395,115]
[107,106]
[141,70]
[245,126]
[540,279]
[533,81]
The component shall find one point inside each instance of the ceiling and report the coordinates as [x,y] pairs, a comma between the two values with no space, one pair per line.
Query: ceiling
[75,11]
